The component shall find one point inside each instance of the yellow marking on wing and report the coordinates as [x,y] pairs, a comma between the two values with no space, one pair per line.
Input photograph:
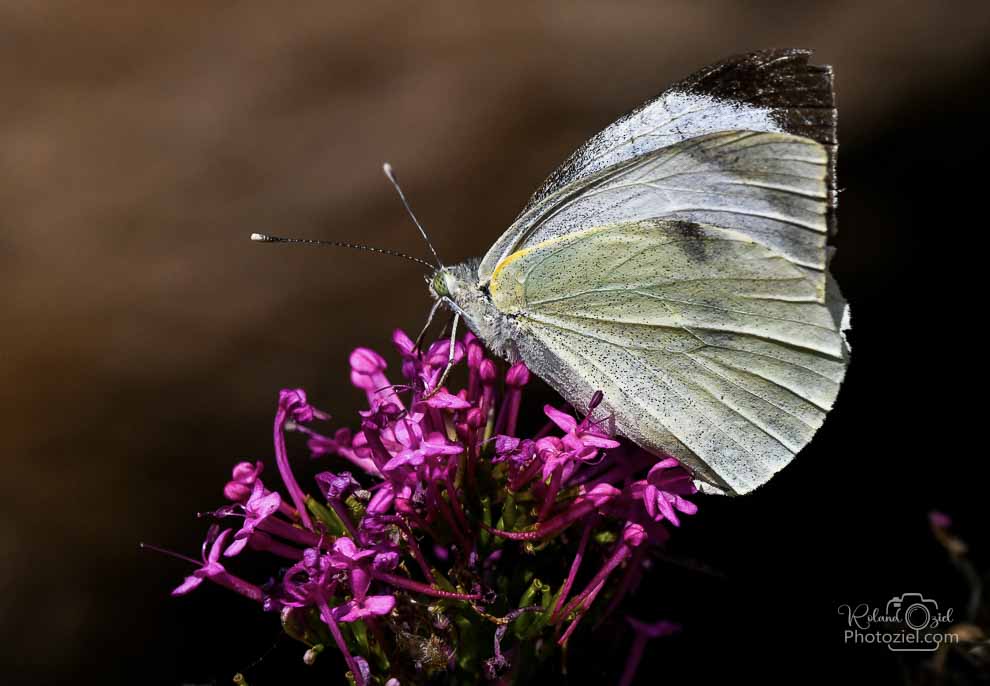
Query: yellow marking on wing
[493,282]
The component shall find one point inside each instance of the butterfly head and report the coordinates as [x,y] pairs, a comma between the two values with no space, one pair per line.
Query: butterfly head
[457,283]
[457,286]
[441,282]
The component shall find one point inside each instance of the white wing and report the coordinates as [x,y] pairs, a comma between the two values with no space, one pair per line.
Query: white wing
[769,186]
[769,91]
[707,344]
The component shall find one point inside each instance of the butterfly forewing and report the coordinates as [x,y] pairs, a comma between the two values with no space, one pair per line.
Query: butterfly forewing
[768,186]
[766,91]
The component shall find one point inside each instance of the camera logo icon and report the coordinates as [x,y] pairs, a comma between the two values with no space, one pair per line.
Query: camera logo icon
[916,611]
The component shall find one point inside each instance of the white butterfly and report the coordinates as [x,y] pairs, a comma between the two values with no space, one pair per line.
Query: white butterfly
[677,262]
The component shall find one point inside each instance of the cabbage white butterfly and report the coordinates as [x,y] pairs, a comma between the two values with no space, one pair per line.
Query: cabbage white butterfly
[677,262]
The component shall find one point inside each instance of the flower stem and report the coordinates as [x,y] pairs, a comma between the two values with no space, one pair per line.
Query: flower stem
[551,494]
[628,580]
[632,662]
[282,460]
[416,552]
[291,533]
[572,574]
[622,551]
[238,585]
[416,586]
[328,619]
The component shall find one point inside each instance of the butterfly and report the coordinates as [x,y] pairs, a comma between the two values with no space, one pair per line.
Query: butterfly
[675,269]
[677,262]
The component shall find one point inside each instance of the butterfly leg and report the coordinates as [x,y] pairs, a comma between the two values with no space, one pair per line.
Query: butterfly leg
[426,327]
[450,359]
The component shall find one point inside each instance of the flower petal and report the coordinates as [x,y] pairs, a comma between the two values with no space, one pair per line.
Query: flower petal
[218,546]
[191,582]
[442,400]
[379,604]
[238,544]
[650,496]
[563,420]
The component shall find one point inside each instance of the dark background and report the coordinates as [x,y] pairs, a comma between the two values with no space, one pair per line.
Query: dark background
[143,338]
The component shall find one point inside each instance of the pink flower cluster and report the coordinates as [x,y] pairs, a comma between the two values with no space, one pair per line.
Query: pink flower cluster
[435,509]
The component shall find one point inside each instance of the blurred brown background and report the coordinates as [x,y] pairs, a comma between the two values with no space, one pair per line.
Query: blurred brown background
[143,337]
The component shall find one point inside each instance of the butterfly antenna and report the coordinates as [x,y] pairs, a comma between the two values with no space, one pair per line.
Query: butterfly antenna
[265,238]
[390,173]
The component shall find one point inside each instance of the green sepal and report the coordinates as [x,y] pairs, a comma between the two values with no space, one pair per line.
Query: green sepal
[326,516]
[484,535]
[523,622]
[360,633]
[442,581]
[508,518]
[605,537]
[355,507]
[548,602]
[467,647]
[304,625]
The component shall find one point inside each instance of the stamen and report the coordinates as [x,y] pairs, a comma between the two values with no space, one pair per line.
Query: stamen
[170,553]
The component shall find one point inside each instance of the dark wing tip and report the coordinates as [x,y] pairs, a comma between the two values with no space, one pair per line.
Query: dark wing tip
[800,95]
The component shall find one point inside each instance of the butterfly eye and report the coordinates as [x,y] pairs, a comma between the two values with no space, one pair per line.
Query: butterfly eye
[439,284]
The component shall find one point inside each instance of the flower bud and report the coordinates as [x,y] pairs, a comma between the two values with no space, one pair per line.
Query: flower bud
[366,361]
[517,376]
[488,372]
[475,355]
[405,345]
[596,400]
[309,657]
[633,535]
[475,418]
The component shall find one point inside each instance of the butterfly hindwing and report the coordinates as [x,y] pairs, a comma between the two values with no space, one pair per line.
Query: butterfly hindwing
[707,344]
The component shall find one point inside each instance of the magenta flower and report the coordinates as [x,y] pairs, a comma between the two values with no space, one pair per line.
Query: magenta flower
[518,451]
[557,455]
[242,481]
[292,404]
[342,443]
[583,434]
[445,401]
[260,506]
[336,486]
[368,373]
[348,557]
[214,571]
[309,580]
[369,606]
[665,483]
[211,564]
[416,450]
